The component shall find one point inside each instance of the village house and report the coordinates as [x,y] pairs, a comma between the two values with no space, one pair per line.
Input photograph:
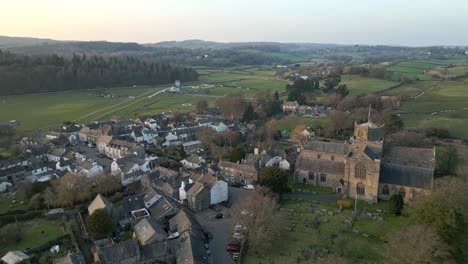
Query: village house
[72,258]
[237,172]
[218,188]
[88,168]
[116,148]
[148,231]
[130,168]
[143,135]
[193,162]
[290,106]
[367,167]
[191,146]
[90,135]
[198,197]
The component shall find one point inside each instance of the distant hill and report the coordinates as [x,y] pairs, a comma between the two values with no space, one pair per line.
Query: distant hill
[21,41]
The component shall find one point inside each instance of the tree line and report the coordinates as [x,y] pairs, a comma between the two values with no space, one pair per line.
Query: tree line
[52,73]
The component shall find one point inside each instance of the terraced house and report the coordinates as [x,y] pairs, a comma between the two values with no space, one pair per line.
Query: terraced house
[367,167]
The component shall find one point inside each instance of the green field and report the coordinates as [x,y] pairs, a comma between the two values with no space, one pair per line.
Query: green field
[457,127]
[46,111]
[290,122]
[359,85]
[304,236]
[411,89]
[446,95]
[415,69]
[34,233]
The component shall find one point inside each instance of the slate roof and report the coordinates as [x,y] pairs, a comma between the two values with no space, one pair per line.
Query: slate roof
[192,250]
[195,189]
[146,229]
[185,221]
[132,203]
[242,167]
[320,165]
[161,208]
[416,157]
[194,158]
[105,139]
[205,179]
[416,177]
[119,252]
[327,147]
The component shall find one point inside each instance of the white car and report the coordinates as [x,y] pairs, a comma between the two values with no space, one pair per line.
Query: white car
[249,187]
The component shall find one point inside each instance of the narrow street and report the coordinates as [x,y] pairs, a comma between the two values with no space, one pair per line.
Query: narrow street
[221,229]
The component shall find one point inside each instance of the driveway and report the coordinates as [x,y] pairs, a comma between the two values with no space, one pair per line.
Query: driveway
[221,228]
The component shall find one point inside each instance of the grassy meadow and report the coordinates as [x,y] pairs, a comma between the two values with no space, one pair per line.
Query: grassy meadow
[358,85]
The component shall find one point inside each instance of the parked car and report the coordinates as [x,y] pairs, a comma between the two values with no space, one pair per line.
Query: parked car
[235,242]
[100,155]
[238,235]
[249,187]
[219,215]
[239,228]
[233,248]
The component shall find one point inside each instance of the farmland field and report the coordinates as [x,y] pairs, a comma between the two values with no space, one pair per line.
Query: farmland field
[359,85]
[457,127]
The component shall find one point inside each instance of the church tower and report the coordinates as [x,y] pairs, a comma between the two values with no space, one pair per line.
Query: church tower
[369,131]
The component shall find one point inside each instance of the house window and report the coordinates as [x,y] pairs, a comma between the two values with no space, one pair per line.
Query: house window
[332,157]
[311,176]
[402,192]
[385,190]
[360,171]
[360,189]
[323,177]
[319,156]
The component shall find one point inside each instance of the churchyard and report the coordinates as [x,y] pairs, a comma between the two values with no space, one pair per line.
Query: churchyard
[313,229]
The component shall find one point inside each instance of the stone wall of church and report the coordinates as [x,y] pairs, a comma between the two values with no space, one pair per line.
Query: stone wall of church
[319,179]
[409,193]
[370,182]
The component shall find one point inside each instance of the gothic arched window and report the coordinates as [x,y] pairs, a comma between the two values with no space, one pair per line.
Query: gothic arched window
[360,188]
[385,190]
[360,171]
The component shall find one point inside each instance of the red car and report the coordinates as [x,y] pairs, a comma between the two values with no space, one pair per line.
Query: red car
[233,248]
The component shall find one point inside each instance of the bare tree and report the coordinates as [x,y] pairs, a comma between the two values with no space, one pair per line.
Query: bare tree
[233,106]
[259,213]
[106,183]
[202,105]
[417,244]
[297,135]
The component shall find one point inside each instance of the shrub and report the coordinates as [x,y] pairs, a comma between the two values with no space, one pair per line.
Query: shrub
[396,204]
[344,204]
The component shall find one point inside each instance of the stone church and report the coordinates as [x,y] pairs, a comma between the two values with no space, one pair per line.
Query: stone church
[366,166]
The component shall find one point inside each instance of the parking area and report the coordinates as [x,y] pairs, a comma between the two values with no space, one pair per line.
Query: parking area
[91,153]
[221,229]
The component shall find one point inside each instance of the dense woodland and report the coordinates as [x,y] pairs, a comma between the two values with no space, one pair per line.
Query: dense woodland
[51,73]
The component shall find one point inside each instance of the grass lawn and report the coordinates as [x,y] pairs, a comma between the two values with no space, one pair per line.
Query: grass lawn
[35,233]
[290,122]
[359,85]
[358,249]
[9,203]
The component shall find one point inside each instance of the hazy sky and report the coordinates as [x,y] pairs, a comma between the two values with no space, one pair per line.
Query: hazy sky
[405,22]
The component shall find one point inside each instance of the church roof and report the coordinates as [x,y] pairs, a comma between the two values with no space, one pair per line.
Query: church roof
[406,175]
[320,165]
[416,157]
[327,147]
